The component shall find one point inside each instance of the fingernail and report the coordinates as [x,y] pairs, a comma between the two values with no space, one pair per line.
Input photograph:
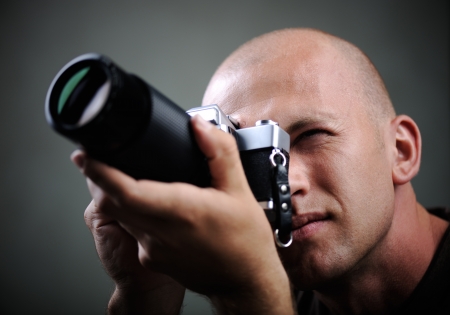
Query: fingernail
[201,123]
[78,159]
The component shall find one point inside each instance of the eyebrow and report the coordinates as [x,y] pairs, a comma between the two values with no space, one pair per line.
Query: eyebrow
[301,123]
[298,124]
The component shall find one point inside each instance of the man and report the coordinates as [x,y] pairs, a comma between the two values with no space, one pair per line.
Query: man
[362,243]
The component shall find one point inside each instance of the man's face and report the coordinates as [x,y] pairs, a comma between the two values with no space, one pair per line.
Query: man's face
[340,174]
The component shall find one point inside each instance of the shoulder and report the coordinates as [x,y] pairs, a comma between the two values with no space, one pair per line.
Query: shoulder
[432,295]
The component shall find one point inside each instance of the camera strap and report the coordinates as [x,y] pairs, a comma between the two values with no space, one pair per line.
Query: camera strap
[282,199]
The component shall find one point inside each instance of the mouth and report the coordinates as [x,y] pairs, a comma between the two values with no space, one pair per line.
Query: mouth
[308,224]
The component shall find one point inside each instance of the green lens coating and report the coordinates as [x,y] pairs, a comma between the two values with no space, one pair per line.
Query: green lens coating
[70,86]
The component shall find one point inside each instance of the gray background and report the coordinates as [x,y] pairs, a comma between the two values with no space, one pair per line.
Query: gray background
[48,263]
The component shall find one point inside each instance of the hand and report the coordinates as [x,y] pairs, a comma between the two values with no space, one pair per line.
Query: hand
[216,241]
[138,290]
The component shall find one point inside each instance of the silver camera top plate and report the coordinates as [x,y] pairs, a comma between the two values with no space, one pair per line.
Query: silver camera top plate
[265,134]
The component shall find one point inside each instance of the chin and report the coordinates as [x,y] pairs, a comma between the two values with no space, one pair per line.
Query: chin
[313,270]
[306,280]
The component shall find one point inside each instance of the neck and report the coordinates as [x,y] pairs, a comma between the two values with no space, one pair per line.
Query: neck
[388,274]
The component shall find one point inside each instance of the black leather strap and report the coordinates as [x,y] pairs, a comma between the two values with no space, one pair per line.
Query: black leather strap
[282,200]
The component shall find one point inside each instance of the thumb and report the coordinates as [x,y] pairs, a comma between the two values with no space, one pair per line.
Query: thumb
[222,153]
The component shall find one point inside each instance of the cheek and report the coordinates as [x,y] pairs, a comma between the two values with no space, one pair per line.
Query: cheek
[361,185]
[357,184]
[356,190]
[354,174]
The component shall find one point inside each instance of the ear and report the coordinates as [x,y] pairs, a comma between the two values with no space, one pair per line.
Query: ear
[408,144]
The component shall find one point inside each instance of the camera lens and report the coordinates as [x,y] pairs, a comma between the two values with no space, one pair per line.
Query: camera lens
[83,96]
[119,119]
[97,104]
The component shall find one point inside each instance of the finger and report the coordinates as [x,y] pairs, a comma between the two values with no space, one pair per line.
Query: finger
[142,204]
[89,215]
[94,218]
[97,194]
[112,181]
[221,151]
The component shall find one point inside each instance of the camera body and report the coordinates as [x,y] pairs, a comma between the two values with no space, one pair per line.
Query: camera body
[259,148]
[119,119]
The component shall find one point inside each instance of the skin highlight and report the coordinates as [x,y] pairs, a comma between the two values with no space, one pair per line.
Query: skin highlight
[351,164]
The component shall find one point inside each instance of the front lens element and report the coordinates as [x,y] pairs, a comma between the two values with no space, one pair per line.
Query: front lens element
[70,86]
[83,96]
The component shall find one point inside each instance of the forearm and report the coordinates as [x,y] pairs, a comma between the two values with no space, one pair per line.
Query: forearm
[165,300]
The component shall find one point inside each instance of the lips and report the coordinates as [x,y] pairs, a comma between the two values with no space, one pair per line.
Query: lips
[306,224]
[301,220]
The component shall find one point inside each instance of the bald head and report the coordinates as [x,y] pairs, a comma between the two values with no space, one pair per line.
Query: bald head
[301,45]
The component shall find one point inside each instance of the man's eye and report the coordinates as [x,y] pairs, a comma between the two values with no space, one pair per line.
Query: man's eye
[312,133]
[309,134]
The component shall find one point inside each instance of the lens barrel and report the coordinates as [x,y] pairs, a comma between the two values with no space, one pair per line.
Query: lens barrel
[119,119]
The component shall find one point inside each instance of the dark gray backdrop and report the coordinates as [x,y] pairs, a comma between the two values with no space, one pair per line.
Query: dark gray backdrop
[48,264]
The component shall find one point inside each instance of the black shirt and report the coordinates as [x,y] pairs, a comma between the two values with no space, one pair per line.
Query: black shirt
[431,296]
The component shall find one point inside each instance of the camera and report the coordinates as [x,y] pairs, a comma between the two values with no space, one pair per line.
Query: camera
[260,148]
[119,119]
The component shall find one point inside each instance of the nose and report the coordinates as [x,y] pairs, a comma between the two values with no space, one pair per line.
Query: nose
[299,181]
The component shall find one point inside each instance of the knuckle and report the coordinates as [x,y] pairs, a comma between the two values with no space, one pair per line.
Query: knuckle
[89,215]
